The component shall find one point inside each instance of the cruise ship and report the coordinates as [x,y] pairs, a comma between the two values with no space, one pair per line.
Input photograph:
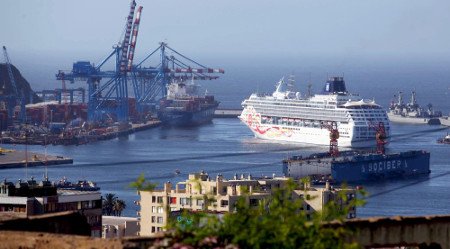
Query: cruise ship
[286,115]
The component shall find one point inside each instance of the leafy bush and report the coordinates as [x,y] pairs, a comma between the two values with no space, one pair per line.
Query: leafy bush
[278,222]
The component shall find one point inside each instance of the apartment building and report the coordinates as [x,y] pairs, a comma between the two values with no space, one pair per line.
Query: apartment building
[201,193]
[28,198]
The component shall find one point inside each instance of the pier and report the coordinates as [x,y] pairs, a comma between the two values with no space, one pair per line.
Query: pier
[16,159]
[79,137]
[227,113]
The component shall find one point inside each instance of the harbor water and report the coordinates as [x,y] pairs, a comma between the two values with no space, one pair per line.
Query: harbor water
[226,146]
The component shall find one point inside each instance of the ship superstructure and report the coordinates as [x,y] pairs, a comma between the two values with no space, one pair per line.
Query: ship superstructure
[288,116]
[412,112]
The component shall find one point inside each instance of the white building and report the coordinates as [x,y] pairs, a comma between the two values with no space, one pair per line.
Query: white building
[118,227]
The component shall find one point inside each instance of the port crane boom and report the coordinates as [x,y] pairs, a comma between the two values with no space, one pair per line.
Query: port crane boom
[16,97]
[109,97]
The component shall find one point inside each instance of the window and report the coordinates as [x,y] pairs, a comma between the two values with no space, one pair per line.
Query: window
[224,203]
[254,202]
[160,210]
[173,200]
[153,219]
[159,199]
[153,209]
[153,229]
[153,199]
[160,220]
[185,201]
[200,202]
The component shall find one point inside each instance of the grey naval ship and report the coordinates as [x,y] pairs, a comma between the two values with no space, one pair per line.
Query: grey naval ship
[411,112]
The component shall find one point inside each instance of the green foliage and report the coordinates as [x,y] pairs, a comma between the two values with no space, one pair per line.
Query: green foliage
[111,205]
[142,185]
[278,222]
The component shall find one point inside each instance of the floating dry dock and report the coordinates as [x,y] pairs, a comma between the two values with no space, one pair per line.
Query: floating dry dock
[352,166]
[15,159]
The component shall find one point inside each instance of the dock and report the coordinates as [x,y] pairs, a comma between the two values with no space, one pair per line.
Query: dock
[16,159]
[82,138]
[227,113]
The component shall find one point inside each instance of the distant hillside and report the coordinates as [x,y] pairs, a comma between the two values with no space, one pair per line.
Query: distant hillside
[21,83]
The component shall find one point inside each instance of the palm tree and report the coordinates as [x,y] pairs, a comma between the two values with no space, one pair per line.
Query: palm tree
[119,206]
[108,203]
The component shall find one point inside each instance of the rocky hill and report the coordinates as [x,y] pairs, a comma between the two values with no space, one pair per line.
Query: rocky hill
[21,83]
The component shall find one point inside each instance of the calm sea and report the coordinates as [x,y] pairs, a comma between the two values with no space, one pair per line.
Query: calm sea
[226,146]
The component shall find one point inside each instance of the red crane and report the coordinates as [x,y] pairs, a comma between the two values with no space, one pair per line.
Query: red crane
[334,136]
[134,38]
[380,136]
[126,39]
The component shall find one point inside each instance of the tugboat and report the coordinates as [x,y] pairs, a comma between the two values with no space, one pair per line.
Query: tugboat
[444,140]
[184,107]
[412,113]
[356,166]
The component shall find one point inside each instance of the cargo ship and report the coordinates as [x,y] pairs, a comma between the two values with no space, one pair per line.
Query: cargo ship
[352,166]
[184,107]
[412,113]
[286,115]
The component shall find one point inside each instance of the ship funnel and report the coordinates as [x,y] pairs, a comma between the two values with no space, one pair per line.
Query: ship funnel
[334,85]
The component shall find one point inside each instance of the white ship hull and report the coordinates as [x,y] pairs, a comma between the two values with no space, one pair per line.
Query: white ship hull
[445,121]
[304,135]
[411,120]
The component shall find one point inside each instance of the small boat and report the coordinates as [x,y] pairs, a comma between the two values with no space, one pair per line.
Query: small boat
[444,140]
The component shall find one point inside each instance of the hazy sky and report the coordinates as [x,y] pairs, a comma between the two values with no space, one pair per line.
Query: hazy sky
[88,28]
[242,36]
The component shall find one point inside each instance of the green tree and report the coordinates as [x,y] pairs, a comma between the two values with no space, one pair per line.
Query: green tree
[111,205]
[278,222]
[141,184]
[108,203]
[118,207]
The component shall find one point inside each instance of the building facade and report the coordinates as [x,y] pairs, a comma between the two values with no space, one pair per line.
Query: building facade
[201,193]
[118,227]
[28,198]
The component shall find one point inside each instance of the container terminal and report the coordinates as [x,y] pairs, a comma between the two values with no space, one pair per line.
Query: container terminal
[115,102]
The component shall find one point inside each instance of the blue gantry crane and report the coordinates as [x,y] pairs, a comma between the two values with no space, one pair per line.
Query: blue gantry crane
[15,97]
[150,83]
[110,98]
